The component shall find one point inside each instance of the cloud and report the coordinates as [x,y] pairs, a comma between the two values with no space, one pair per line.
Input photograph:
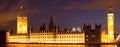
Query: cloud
[34,11]
[5,18]
[7,13]
[63,14]
[96,4]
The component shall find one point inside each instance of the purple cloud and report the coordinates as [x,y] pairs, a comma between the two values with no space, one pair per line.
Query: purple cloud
[96,4]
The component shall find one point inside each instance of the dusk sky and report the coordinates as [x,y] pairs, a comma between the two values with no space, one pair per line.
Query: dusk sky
[66,13]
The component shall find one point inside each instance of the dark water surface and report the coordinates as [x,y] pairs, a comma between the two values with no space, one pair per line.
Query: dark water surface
[48,45]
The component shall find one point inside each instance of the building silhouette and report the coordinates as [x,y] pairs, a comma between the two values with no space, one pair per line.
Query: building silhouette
[51,24]
[92,36]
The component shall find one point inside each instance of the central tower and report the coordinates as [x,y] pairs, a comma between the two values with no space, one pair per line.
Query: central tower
[110,20]
[22,25]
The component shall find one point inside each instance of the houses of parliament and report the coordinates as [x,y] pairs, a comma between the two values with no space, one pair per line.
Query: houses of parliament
[53,35]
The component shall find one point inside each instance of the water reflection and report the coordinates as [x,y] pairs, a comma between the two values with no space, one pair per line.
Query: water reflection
[108,45]
[48,45]
[41,45]
[92,45]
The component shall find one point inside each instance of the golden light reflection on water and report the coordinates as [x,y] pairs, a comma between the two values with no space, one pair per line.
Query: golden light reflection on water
[48,45]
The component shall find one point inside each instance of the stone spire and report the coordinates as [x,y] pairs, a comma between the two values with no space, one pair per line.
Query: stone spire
[110,7]
[51,24]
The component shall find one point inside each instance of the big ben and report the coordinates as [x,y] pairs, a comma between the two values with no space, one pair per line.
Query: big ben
[110,20]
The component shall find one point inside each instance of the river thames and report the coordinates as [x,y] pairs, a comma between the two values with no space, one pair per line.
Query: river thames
[53,45]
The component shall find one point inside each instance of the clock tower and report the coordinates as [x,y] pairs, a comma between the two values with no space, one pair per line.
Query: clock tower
[110,23]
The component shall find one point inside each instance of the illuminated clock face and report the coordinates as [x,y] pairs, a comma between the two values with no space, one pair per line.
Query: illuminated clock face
[110,17]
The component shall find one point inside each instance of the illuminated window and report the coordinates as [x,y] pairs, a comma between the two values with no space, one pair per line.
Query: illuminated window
[86,39]
[86,35]
[93,36]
